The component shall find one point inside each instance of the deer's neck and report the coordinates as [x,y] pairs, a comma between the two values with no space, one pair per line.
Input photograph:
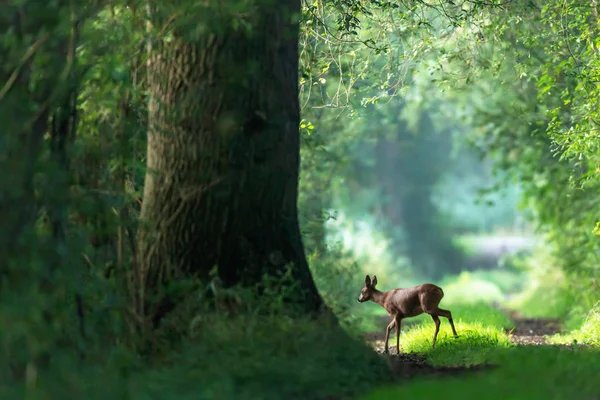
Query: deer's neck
[379,297]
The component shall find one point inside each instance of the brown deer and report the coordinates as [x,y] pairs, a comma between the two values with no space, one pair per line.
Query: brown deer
[406,303]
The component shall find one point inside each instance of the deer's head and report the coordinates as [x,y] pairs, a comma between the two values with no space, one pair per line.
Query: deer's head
[367,292]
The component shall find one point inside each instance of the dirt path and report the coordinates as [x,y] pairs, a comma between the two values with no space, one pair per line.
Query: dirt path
[531,332]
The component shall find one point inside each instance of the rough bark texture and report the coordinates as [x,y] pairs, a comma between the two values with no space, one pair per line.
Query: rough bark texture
[223,152]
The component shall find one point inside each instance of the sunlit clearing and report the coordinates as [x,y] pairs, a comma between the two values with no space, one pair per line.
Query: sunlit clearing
[474,343]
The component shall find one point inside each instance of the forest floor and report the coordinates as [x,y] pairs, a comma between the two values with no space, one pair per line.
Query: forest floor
[527,332]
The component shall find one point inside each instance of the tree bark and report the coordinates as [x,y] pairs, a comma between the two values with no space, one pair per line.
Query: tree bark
[223,152]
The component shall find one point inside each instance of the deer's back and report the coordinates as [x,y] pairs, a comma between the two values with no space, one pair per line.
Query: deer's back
[413,301]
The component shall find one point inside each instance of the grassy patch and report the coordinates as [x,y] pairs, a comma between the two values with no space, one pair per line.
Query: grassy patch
[473,346]
[238,358]
[589,333]
[480,328]
[527,373]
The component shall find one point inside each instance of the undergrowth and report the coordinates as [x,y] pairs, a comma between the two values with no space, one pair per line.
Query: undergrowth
[546,296]
[244,357]
[554,291]
[588,333]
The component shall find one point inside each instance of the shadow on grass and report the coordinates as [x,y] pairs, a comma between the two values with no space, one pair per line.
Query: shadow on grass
[241,358]
[528,373]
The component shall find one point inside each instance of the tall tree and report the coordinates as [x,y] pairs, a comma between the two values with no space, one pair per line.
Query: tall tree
[223,149]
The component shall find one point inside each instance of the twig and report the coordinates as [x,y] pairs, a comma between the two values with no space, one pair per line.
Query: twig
[30,52]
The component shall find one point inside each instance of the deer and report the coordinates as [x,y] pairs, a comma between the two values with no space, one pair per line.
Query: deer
[409,302]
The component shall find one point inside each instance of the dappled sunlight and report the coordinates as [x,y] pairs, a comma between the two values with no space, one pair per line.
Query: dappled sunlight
[475,343]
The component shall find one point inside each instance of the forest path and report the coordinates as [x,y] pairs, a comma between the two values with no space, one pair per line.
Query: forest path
[531,331]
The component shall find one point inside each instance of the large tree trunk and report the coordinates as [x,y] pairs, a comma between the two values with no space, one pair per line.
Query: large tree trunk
[223,151]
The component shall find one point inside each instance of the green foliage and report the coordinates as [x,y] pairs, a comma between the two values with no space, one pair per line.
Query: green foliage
[338,277]
[588,333]
[388,91]
[550,292]
[528,93]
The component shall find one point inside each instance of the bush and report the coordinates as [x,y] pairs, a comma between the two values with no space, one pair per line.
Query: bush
[547,293]
[589,333]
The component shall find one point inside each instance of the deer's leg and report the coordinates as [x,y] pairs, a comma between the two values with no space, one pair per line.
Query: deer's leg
[398,322]
[387,334]
[436,319]
[448,314]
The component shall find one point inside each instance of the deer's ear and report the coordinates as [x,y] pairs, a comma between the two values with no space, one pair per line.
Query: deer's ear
[374,282]
[367,281]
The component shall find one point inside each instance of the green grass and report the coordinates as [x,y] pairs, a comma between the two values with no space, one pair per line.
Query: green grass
[473,346]
[588,333]
[482,313]
[480,328]
[243,358]
[527,373]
